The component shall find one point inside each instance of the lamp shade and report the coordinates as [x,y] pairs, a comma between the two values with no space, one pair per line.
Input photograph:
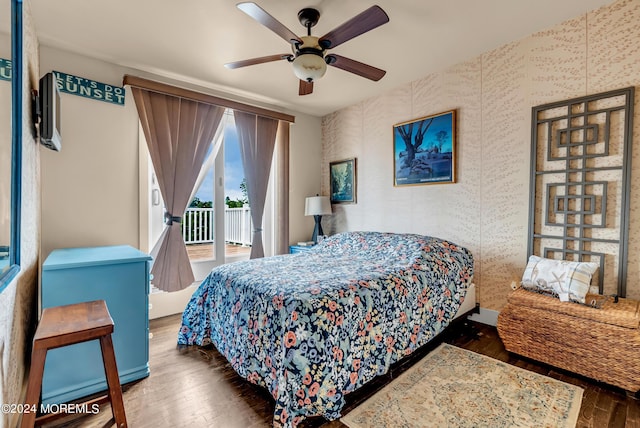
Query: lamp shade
[317,205]
[309,67]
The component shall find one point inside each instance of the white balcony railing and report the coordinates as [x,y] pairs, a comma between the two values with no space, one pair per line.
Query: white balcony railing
[197,226]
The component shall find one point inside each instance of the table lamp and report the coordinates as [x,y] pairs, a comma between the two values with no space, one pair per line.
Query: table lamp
[317,206]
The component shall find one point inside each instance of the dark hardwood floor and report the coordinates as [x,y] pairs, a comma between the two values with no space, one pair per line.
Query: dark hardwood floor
[198,388]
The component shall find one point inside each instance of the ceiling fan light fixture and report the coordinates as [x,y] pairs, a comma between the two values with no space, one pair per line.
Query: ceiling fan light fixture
[309,67]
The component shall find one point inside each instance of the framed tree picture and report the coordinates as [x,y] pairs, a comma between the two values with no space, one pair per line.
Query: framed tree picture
[424,150]
[342,176]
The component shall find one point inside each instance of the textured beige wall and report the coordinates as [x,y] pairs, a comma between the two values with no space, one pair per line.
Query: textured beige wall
[613,61]
[487,209]
[18,301]
[305,154]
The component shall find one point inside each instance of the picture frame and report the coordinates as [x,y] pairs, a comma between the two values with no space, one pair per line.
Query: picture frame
[424,150]
[342,181]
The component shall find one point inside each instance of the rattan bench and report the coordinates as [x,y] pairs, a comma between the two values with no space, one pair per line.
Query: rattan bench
[602,344]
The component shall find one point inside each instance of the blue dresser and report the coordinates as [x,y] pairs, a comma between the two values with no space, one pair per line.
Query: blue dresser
[120,276]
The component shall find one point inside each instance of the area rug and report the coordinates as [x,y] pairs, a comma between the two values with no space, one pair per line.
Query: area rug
[453,387]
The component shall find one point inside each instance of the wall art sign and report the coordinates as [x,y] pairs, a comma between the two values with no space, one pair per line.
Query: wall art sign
[87,88]
[424,150]
[5,69]
[342,175]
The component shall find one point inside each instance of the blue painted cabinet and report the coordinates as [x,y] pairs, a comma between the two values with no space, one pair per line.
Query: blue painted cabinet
[293,249]
[120,276]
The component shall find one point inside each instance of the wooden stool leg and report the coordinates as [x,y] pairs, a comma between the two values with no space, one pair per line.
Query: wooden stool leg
[113,381]
[32,399]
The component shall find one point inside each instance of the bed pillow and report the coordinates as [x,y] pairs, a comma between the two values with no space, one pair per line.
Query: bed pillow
[569,281]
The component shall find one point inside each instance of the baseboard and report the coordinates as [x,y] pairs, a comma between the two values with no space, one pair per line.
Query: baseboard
[162,304]
[486,316]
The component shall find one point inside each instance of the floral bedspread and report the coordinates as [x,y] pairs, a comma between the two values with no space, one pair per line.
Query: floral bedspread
[313,326]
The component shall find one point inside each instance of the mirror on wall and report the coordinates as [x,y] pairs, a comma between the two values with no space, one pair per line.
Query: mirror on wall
[10,136]
[5,134]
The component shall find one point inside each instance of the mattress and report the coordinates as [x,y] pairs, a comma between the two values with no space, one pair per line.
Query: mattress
[468,303]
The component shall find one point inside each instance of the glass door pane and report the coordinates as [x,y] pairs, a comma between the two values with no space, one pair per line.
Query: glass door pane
[198,228]
[203,221]
[237,214]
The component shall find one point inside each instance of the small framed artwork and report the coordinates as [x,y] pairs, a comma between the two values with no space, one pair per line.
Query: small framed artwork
[424,150]
[342,176]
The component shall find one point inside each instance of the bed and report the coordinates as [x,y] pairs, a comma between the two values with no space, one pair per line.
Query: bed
[314,326]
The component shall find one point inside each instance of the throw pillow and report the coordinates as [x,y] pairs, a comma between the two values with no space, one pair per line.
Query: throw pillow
[567,280]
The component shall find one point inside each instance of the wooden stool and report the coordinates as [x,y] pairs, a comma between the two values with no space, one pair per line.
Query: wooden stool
[67,325]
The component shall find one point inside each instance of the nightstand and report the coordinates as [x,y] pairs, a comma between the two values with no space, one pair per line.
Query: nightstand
[293,249]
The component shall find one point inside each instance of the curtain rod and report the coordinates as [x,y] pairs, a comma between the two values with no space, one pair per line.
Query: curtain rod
[163,88]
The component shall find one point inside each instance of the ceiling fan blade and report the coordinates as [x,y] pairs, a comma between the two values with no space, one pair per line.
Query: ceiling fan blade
[254,61]
[359,24]
[260,15]
[305,87]
[355,67]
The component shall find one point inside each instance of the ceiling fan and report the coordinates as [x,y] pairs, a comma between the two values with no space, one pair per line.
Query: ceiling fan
[308,57]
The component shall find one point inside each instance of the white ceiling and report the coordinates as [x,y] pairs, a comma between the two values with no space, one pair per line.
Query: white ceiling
[191,40]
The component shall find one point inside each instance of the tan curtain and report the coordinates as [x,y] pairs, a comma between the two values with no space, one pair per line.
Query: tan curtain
[178,132]
[257,137]
[282,194]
